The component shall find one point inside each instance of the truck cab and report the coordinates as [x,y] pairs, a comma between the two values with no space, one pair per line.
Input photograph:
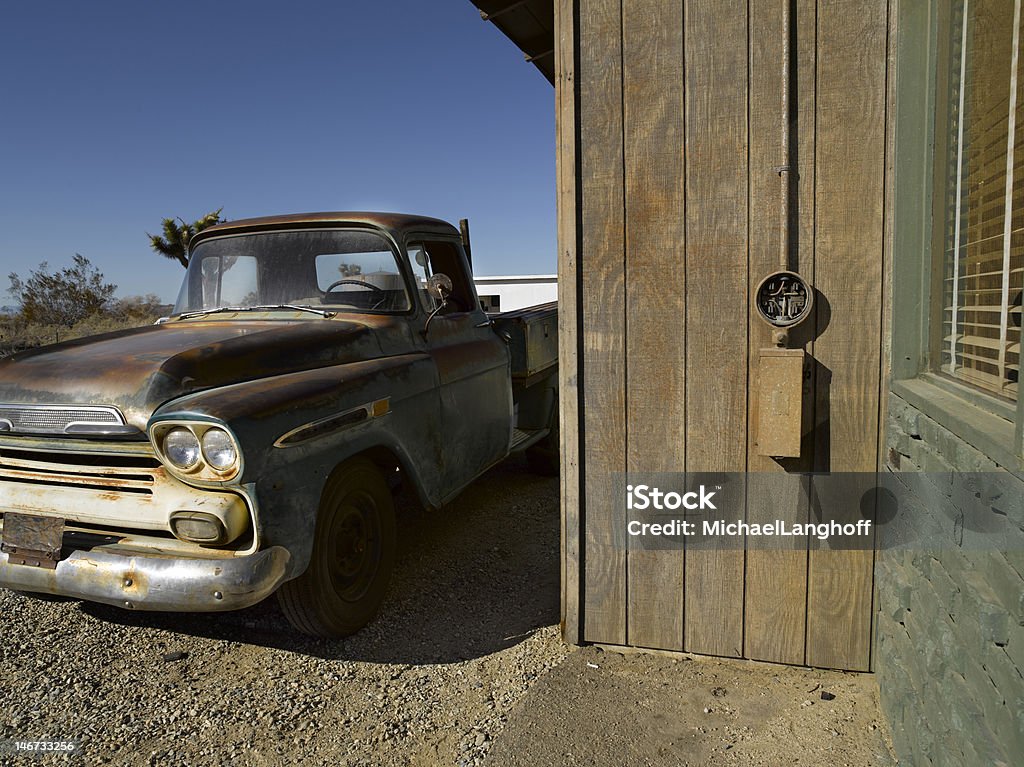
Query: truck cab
[248,444]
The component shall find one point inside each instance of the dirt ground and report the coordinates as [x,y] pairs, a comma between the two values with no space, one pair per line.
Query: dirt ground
[463,667]
[634,710]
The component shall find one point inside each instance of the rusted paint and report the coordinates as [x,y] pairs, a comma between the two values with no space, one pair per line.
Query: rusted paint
[137,370]
[32,541]
[313,390]
[49,478]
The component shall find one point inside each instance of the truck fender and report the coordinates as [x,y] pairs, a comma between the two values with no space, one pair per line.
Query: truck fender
[295,429]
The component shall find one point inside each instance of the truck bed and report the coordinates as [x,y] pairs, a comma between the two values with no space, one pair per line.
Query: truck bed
[533,338]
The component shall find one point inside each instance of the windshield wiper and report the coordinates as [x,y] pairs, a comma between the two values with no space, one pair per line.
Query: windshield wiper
[220,309]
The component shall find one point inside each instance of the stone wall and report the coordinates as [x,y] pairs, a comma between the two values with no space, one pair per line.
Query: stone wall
[949,644]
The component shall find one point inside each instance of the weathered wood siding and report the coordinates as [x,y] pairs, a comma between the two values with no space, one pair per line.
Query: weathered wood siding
[669,125]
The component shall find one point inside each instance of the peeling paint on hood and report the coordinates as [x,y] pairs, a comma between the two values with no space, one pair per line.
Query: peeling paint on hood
[138,370]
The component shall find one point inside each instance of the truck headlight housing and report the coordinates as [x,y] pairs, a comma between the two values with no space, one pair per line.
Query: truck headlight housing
[181,448]
[219,449]
[197,450]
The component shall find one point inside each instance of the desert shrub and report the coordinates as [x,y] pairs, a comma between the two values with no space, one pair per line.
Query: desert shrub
[65,297]
[71,303]
[17,334]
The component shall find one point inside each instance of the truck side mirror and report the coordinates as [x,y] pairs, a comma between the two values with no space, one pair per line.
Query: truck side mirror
[439,287]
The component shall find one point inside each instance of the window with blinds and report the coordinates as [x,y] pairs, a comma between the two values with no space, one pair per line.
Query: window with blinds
[980,195]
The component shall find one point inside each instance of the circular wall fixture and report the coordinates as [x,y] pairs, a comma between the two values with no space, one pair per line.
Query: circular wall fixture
[783,299]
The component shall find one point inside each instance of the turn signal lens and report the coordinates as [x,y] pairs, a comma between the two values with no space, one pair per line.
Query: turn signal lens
[197,527]
[181,447]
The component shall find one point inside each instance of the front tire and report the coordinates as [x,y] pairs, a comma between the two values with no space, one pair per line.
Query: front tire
[352,558]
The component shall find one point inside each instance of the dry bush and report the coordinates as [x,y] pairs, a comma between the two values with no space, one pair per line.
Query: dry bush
[134,312]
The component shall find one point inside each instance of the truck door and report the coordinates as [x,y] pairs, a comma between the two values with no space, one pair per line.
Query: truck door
[472,364]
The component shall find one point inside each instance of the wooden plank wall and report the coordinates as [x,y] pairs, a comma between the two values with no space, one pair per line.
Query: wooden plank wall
[669,124]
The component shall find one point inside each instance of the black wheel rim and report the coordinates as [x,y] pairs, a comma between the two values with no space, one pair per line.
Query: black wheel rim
[355,546]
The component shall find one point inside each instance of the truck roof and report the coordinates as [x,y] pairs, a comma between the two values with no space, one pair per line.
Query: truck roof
[393,221]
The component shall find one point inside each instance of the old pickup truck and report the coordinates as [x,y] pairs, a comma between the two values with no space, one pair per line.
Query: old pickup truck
[251,442]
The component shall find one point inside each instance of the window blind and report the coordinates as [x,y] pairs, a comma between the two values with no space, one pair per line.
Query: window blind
[983,226]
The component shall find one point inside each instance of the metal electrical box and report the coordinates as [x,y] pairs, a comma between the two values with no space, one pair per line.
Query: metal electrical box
[780,400]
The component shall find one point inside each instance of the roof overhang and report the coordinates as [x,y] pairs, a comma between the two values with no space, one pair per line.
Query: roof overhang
[530,24]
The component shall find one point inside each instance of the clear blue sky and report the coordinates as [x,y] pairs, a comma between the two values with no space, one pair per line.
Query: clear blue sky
[116,114]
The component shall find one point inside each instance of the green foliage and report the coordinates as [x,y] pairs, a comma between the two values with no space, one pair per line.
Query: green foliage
[63,298]
[173,243]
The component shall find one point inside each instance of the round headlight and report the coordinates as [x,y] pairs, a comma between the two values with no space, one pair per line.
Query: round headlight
[219,449]
[181,447]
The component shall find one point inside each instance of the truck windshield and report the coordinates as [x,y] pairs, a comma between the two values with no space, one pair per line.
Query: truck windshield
[336,270]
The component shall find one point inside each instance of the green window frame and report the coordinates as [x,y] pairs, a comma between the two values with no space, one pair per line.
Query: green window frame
[958,219]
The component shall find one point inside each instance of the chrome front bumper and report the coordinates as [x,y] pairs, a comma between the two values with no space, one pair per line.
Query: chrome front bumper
[155,582]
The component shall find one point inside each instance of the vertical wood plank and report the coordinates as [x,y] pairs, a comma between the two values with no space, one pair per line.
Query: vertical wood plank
[601,266]
[568,314]
[776,573]
[848,272]
[716,298]
[655,294]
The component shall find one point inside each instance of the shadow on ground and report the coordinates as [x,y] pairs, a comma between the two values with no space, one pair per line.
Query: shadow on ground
[474,578]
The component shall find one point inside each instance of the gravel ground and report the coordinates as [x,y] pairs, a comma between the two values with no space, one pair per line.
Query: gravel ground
[468,627]
[464,666]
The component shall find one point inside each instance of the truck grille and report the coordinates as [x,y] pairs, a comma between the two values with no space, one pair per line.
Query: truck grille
[55,419]
[109,472]
[116,487]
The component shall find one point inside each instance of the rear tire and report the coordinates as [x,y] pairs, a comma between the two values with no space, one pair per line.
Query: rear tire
[352,558]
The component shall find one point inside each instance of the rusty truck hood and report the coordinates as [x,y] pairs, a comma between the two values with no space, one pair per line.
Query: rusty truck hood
[139,370]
